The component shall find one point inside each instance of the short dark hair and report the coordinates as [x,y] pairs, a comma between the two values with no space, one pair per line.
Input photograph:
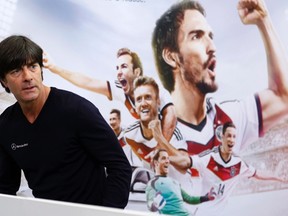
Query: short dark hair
[157,154]
[165,35]
[117,111]
[145,80]
[17,51]
[227,125]
[135,58]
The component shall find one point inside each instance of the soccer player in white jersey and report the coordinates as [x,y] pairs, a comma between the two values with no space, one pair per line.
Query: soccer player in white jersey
[221,169]
[185,57]
[145,135]
[128,68]
[115,124]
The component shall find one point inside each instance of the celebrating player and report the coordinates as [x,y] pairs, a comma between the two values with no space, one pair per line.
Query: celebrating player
[221,169]
[165,194]
[128,68]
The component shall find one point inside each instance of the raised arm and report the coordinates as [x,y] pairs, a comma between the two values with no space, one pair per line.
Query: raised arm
[265,175]
[168,121]
[175,154]
[78,79]
[198,199]
[274,100]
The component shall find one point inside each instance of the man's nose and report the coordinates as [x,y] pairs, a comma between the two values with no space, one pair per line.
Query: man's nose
[26,73]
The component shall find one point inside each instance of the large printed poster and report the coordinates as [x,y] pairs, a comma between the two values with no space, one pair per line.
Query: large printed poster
[85,36]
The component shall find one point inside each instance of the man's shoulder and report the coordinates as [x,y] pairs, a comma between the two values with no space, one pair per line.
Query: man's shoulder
[65,96]
[7,112]
[132,128]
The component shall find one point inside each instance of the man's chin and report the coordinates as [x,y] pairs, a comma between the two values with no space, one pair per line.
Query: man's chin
[206,89]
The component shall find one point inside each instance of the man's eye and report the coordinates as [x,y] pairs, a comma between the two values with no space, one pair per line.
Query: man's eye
[13,72]
[33,67]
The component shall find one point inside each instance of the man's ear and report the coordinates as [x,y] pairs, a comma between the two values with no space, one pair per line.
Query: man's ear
[3,83]
[137,71]
[158,102]
[170,58]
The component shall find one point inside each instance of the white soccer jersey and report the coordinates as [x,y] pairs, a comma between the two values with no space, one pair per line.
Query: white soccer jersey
[141,147]
[246,115]
[222,176]
[117,93]
[126,148]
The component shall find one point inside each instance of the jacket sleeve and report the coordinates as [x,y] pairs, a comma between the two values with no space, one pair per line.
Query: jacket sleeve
[10,174]
[101,142]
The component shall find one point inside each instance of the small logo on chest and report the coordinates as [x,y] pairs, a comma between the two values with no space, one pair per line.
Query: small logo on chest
[15,147]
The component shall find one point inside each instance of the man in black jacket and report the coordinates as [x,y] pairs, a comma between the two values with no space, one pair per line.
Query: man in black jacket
[59,139]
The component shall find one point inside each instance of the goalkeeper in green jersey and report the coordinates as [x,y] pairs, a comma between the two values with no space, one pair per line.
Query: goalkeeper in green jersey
[165,195]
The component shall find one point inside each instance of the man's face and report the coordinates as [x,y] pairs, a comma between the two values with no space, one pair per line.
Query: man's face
[146,103]
[197,59]
[25,83]
[114,121]
[162,164]
[125,73]
[228,140]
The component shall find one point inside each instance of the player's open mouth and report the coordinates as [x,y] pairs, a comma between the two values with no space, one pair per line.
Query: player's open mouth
[212,65]
[123,82]
[230,146]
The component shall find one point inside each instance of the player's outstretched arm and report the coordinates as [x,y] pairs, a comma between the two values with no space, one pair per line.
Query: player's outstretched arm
[175,155]
[265,175]
[198,199]
[274,100]
[78,79]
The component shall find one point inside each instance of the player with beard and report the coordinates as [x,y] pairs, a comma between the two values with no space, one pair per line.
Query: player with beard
[128,68]
[185,57]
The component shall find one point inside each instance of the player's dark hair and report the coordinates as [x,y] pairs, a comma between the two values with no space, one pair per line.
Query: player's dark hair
[117,111]
[17,51]
[227,125]
[135,58]
[165,35]
[157,155]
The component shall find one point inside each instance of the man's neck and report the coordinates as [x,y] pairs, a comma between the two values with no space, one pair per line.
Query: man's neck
[32,109]
[147,132]
[117,131]
[226,156]
[190,105]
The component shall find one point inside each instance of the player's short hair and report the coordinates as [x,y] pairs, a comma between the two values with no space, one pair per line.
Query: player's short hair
[117,111]
[157,154]
[227,125]
[145,80]
[165,35]
[135,58]
[17,51]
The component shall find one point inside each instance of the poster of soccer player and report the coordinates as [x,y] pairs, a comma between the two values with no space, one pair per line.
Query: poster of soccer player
[211,62]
